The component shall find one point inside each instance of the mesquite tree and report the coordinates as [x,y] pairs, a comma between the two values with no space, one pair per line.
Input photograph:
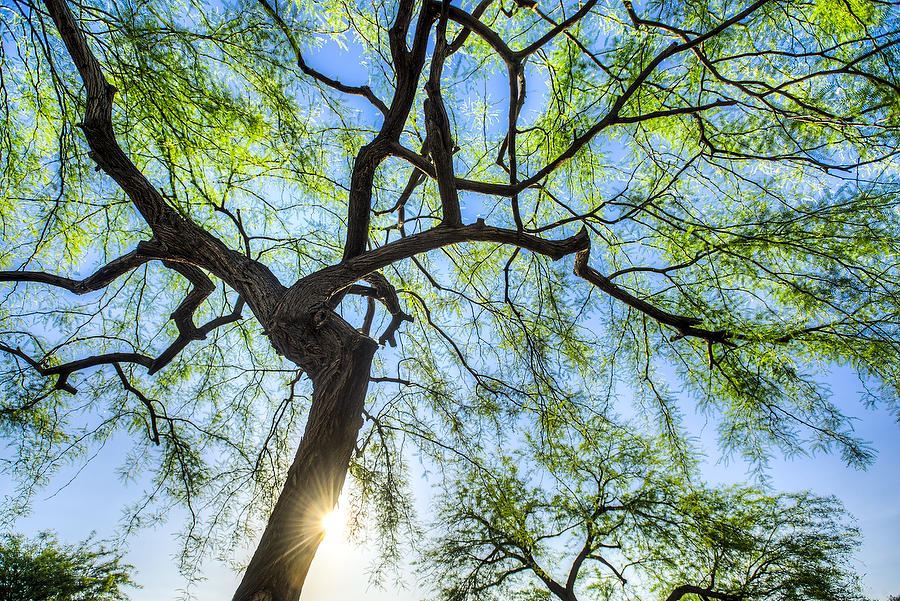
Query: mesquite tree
[45,570]
[209,229]
[607,518]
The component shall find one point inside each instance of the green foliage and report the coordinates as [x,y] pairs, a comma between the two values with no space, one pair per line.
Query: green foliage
[45,570]
[607,518]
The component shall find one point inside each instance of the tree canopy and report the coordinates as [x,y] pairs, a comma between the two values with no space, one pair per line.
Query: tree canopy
[607,518]
[45,570]
[210,226]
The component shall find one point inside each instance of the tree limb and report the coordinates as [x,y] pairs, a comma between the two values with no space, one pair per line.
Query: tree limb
[364,91]
[154,436]
[145,251]
[688,589]
[437,127]
[441,236]
[190,332]
[686,326]
[180,238]
[65,370]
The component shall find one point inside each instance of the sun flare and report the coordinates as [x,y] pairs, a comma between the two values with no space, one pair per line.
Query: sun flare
[333,522]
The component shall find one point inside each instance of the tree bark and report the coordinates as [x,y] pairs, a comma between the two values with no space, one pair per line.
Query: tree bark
[340,379]
[298,320]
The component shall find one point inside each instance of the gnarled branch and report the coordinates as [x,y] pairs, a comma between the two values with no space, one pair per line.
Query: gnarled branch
[64,370]
[689,589]
[686,326]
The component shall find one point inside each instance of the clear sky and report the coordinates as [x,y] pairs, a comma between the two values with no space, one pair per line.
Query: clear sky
[340,572]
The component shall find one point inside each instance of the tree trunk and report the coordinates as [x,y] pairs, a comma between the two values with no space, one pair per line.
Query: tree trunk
[338,360]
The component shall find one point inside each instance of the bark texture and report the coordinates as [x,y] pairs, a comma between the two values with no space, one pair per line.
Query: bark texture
[299,321]
[294,531]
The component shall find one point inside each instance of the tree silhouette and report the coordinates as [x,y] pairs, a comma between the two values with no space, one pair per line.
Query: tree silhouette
[548,203]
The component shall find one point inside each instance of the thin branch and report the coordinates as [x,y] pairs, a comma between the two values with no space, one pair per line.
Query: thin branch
[612,116]
[364,91]
[147,402]
[686,326]
[145,251]
[556,30]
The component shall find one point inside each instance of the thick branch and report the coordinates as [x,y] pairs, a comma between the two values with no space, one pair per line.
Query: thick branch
[181,239]
[408,67]
[437,127]
[441,236]
[583,554]
[387,294]
[384,292]
[183,317]
[464,34]
[470,22]
[688,589]
[99,279]
[97,124]
[188,332]
[65,370]
[612,116]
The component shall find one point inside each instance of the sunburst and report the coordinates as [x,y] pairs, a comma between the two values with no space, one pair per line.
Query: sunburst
[333,523]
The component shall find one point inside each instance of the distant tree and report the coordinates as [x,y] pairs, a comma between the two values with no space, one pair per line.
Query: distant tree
[209,230]
[609,519]
[45,570]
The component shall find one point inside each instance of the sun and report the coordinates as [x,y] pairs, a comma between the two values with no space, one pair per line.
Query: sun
[333,523]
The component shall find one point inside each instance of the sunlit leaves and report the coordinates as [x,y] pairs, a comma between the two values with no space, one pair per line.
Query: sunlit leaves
[605,516]
[45,570]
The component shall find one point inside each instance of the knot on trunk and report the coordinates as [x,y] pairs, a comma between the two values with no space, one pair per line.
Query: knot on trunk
[307,331]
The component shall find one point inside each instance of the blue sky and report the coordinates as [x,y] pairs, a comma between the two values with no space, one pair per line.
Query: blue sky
[340,572]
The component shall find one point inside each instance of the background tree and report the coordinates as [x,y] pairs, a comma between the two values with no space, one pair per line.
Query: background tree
[606,518]
[722,173]
[45,570]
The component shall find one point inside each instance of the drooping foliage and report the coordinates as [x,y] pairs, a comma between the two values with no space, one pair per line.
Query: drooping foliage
[537,209]
[608,518]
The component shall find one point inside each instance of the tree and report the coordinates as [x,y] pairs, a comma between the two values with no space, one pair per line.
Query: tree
[723,175]
[44,570]
[607,519]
